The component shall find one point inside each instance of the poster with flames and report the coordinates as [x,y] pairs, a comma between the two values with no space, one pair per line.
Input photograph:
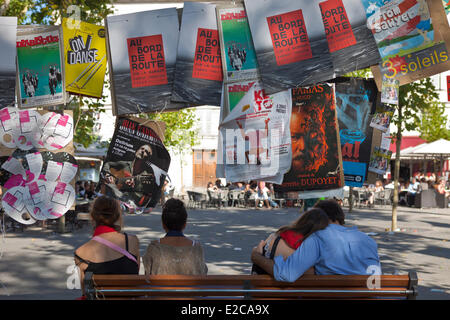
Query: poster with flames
[316,152]
[413,37]
[142,49]
[356,101]
[198,70]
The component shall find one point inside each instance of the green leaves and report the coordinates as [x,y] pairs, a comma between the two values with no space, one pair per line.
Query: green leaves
[181,134]
[416,100]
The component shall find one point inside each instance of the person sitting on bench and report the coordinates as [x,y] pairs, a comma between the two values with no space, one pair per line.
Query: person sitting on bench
[174,253]
[333,250]
[109,251]
[288,238]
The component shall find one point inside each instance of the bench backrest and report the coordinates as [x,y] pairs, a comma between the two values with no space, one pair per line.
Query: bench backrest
[248,287]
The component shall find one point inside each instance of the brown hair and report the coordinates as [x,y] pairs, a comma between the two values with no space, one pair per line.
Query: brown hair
[106,211]
[311,221]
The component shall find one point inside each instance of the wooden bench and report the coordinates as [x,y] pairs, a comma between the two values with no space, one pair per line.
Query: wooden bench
[247,287]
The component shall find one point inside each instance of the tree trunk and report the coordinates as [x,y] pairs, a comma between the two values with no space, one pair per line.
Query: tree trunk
[397,169]
[350,200]
[181,172]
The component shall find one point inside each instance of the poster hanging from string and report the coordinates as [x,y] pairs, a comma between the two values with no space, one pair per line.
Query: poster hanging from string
[356,101]
[40,67]
[142,48]
[255,139]
[198,72]
[136,165]
[85,57]
[413,38]
[316,151]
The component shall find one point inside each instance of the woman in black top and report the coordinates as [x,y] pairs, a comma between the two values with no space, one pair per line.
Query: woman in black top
[109,251]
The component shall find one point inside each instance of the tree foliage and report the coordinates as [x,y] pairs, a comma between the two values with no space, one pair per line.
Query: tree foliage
[181,133]
[433,123]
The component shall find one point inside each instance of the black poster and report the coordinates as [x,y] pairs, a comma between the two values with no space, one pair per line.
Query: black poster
[136,165]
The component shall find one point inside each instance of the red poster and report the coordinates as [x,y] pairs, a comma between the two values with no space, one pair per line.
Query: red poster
[147,63]
[289,37]
[207,60]
[448,88]
[337,26]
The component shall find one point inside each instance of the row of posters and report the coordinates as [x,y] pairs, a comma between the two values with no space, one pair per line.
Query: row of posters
[157,63]
[299,151]
[283,44]
[51,62]
[299,43]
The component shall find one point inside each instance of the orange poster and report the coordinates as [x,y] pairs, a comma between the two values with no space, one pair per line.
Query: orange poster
[147,64]
[207,61]
[289,37]
[338,30]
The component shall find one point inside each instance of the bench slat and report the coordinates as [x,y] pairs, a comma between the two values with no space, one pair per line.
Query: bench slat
[259,280]
[246,286]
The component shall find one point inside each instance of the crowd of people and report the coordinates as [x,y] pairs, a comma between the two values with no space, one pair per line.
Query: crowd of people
[86,190]
[408,189]
[317,242]
[261,192]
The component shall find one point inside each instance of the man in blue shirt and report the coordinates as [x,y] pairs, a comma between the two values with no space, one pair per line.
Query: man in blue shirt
[333,250]
[413,188]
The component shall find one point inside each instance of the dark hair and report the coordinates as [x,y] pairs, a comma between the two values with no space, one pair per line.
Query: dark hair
[105,212]
[332,209]
[311,221]
[174,215]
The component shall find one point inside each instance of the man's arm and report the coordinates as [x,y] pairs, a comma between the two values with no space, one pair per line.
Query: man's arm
[258,259]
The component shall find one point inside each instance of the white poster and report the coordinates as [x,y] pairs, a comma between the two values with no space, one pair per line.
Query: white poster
[256,137]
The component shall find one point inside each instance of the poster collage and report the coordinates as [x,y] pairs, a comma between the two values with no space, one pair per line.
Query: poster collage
[275,68]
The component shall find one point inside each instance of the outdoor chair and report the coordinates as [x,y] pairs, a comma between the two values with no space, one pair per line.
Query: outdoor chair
[191,201]
[233,196]
[379,197]
[388,195]
[213,199]
[425,199]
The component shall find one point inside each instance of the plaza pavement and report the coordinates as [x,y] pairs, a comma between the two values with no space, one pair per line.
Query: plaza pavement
[35,264]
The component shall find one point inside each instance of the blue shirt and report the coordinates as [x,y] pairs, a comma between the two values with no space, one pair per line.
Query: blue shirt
[333,250]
